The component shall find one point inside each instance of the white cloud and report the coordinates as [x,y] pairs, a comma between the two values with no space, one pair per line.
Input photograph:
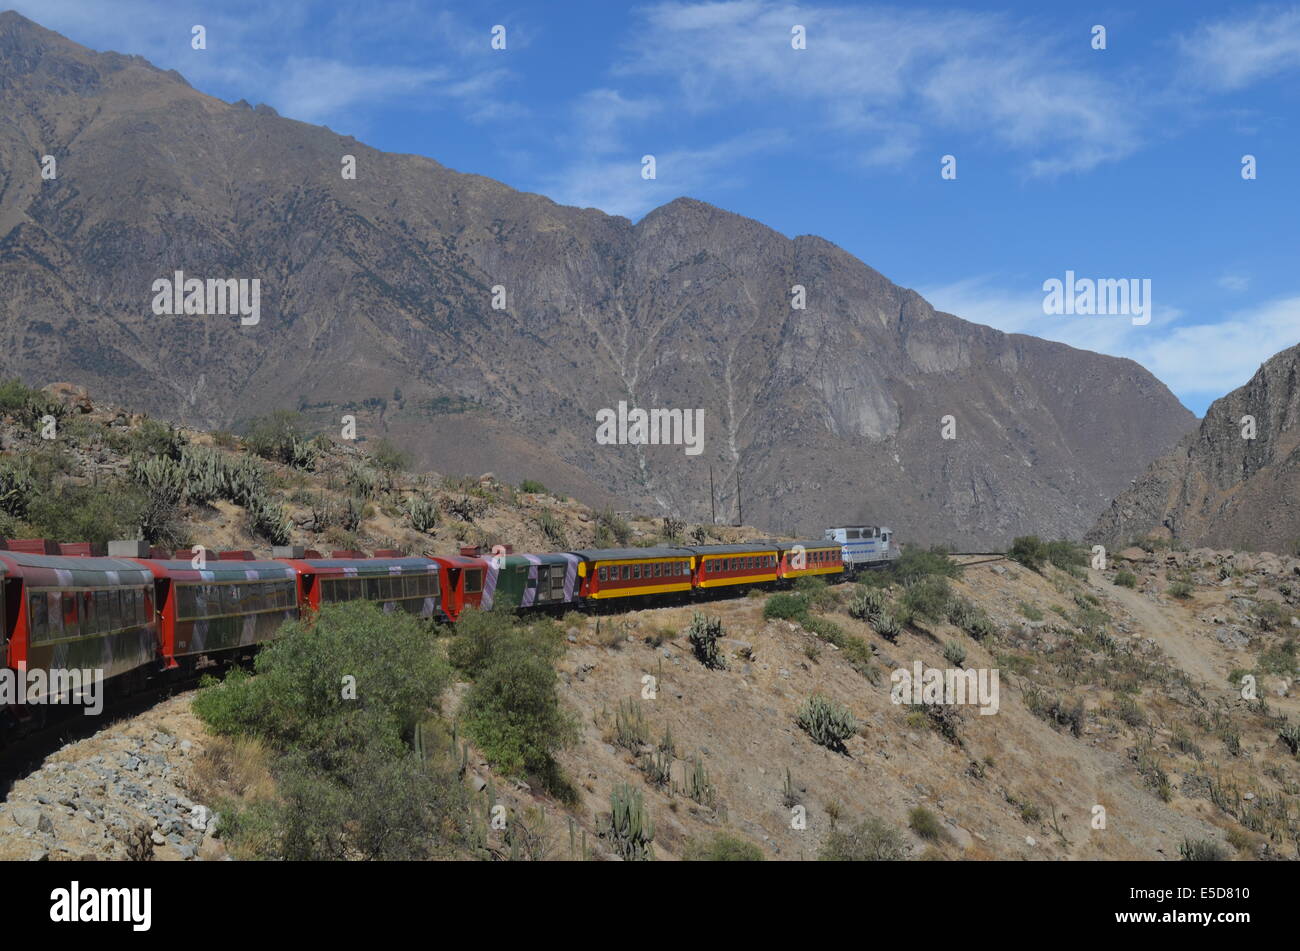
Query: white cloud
[615,186]
[1198,361]
[894,78]
[1234,282]
[1230,54]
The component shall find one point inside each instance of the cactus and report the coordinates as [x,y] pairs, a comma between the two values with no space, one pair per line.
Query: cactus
[703,635]
[828,722]
[267,519]
[698,786]
[888,627]
[631,828]
[422,513]
[657,767]
[629,725]
[16,486]
[867,605]
[789,797]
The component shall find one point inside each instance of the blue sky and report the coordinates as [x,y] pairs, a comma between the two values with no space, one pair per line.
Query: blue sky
[1115,163]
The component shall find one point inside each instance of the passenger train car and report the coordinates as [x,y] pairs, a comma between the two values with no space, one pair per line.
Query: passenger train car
[142,615]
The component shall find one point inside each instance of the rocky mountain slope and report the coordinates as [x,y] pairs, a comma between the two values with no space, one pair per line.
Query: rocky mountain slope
[1234,481]
[376,300]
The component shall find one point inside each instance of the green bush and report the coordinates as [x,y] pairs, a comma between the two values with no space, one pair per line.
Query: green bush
[338,699]
[15,395]
[928,597]
[1030,551]
[1181,590]
[532,485]
[513,710]
[389,457]
[868,841]
[827,721]
[785,606]
[611,528]
[723,847]
[917,563]
[301,694]
[86,513]
[1125,578]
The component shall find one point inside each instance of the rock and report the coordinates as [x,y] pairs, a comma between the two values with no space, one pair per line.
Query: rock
[157,837]
[29,817]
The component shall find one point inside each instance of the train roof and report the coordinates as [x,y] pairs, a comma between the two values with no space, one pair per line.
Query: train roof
[747,548]
[216,570]
[628,554]
[370,567]
[807,543]
[74,570]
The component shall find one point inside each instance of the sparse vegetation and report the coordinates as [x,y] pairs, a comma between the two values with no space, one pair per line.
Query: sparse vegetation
[869,841]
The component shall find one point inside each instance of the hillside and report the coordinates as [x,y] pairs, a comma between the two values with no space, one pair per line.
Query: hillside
[1234,482]
[376,300]
[1111,696]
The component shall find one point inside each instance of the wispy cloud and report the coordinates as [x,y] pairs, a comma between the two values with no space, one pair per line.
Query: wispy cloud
[1198,361]
[897,79]
[344,60]
[1236,51]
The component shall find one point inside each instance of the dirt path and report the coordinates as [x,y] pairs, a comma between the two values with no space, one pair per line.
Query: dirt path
[1169,627]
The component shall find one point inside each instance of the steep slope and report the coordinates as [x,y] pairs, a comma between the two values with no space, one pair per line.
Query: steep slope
[376,300]
[1218,488]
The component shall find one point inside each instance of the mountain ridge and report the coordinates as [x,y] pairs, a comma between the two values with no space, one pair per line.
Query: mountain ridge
[376,300]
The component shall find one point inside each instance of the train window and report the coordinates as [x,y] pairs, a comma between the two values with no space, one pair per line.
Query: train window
[853,533]
[603,573]
[38,621]
[474,581]
[103,612]
[636,572]
[70,613]
[659,569]
[54,612]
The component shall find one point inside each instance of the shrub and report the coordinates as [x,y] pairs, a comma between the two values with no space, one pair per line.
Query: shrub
[868,841]
[17,486]
[888,627]
[552,529]
[928,597]
[1029,551]
[531,485]
[927,825]
[1125,578]
[723,847]
[513,710]
[954,653]
[827,721]
[785,606]
[300,696]
[279,438]
[970,617]
[1202,850]
[1181,590]
[612,527]
[703,635]
[1066,555]
[917,563]
[389,457]
[90,513]
[15,394]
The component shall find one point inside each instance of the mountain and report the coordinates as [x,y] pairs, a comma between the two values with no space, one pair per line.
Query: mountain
[376,301]
[1218,488]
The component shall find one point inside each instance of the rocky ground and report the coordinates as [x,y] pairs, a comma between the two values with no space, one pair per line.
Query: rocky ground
[121,793]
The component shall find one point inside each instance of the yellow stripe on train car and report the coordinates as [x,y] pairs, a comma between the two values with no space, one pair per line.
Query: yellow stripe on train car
[649,589]
[745,580]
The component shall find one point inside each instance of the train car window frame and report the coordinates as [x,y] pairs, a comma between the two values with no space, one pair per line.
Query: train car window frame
[38,626]
[69,599]
[602,573]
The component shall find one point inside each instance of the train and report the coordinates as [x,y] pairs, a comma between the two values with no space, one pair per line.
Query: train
[141,615]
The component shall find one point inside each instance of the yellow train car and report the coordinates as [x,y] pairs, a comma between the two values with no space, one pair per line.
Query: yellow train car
[606,573]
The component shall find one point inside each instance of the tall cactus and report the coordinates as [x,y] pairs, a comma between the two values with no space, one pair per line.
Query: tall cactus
[631,827]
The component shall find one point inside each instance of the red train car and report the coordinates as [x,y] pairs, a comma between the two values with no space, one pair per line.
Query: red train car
[461,580]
